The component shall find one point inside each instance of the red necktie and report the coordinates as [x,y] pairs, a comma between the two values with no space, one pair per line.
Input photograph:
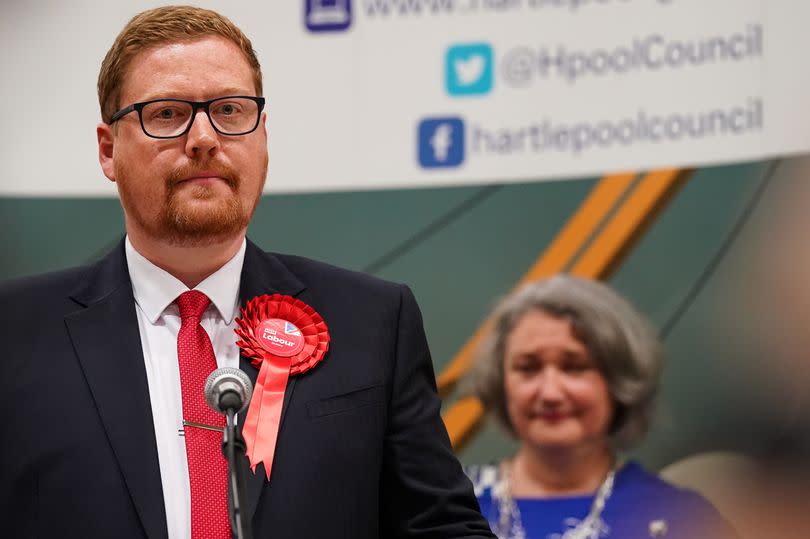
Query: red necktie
[207,468]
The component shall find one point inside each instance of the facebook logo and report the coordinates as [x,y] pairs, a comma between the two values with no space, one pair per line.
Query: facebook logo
[441,142]
[327,15]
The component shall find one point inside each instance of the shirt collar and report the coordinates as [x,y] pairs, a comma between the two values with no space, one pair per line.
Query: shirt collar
[155,289]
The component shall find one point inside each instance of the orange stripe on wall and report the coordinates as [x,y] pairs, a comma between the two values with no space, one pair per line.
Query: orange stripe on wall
[601,257]
[577,230]
[629,222]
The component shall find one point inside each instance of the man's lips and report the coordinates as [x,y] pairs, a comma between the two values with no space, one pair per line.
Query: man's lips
[204,178]
[203,175]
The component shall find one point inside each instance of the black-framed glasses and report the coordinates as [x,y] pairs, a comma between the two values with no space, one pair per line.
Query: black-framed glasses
[170,118]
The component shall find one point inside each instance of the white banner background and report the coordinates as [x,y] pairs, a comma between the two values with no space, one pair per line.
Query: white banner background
[344,107]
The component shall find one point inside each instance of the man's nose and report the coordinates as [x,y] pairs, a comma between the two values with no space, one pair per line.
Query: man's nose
[201,138]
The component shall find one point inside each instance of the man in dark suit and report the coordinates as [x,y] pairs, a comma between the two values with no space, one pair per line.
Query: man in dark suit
[97,431]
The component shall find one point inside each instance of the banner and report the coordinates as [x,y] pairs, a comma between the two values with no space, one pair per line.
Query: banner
[374,94]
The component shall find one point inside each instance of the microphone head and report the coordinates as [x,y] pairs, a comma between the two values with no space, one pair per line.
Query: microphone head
[228,388]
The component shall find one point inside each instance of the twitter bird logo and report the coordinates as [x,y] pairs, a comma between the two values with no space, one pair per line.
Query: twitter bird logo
[468,69]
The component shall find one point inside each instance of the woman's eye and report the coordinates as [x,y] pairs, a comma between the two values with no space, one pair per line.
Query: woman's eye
[525,367]
[576,367]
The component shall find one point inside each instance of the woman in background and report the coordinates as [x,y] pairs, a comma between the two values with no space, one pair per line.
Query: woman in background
[571,371]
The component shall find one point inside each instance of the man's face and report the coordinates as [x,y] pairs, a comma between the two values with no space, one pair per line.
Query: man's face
[199,188]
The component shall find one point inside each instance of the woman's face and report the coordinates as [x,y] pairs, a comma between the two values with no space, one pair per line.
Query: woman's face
[556,396]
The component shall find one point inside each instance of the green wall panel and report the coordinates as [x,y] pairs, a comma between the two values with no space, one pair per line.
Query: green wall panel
[461,249]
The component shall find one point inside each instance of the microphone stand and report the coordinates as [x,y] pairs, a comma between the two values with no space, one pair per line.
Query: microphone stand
[231,441]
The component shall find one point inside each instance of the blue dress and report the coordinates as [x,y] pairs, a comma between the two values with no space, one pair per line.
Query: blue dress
[641,506]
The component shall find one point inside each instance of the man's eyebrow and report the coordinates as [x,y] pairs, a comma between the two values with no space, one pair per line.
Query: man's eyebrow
[223,92]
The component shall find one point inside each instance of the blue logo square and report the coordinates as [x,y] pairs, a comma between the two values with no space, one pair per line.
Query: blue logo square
[468,69]
[441,142]
[327,15]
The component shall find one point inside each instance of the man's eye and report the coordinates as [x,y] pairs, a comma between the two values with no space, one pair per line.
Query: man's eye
[227,109]
[167,113]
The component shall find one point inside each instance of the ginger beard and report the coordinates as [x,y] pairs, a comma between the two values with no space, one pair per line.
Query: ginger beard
[198,217]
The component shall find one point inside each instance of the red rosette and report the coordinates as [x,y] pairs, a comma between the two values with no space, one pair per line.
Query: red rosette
[280,307]
[283,337]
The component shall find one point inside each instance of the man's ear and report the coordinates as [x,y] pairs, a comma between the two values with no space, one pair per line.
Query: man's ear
[106,140]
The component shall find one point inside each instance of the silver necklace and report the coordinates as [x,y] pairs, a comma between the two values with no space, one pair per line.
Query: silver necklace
[510,525]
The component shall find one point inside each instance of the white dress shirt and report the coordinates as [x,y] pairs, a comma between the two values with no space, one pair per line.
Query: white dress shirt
[159,322]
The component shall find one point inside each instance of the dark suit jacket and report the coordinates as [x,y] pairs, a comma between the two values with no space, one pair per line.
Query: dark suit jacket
[361,453]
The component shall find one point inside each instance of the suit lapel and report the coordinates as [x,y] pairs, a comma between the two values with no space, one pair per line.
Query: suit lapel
[263,273]
[107,342]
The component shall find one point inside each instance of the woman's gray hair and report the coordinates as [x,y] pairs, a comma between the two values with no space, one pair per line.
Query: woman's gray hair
[620,339]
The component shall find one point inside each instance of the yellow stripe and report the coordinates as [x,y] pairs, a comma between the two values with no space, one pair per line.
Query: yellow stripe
[629,223]
[602,256]
[463,420]
[580,227]
[554,259]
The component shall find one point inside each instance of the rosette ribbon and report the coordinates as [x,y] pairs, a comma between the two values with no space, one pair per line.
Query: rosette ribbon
[283,337]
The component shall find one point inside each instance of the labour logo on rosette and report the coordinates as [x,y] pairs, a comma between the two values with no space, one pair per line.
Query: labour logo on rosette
[283,337]
[280,337]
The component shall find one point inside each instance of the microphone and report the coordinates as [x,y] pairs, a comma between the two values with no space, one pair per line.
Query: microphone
[228,389]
